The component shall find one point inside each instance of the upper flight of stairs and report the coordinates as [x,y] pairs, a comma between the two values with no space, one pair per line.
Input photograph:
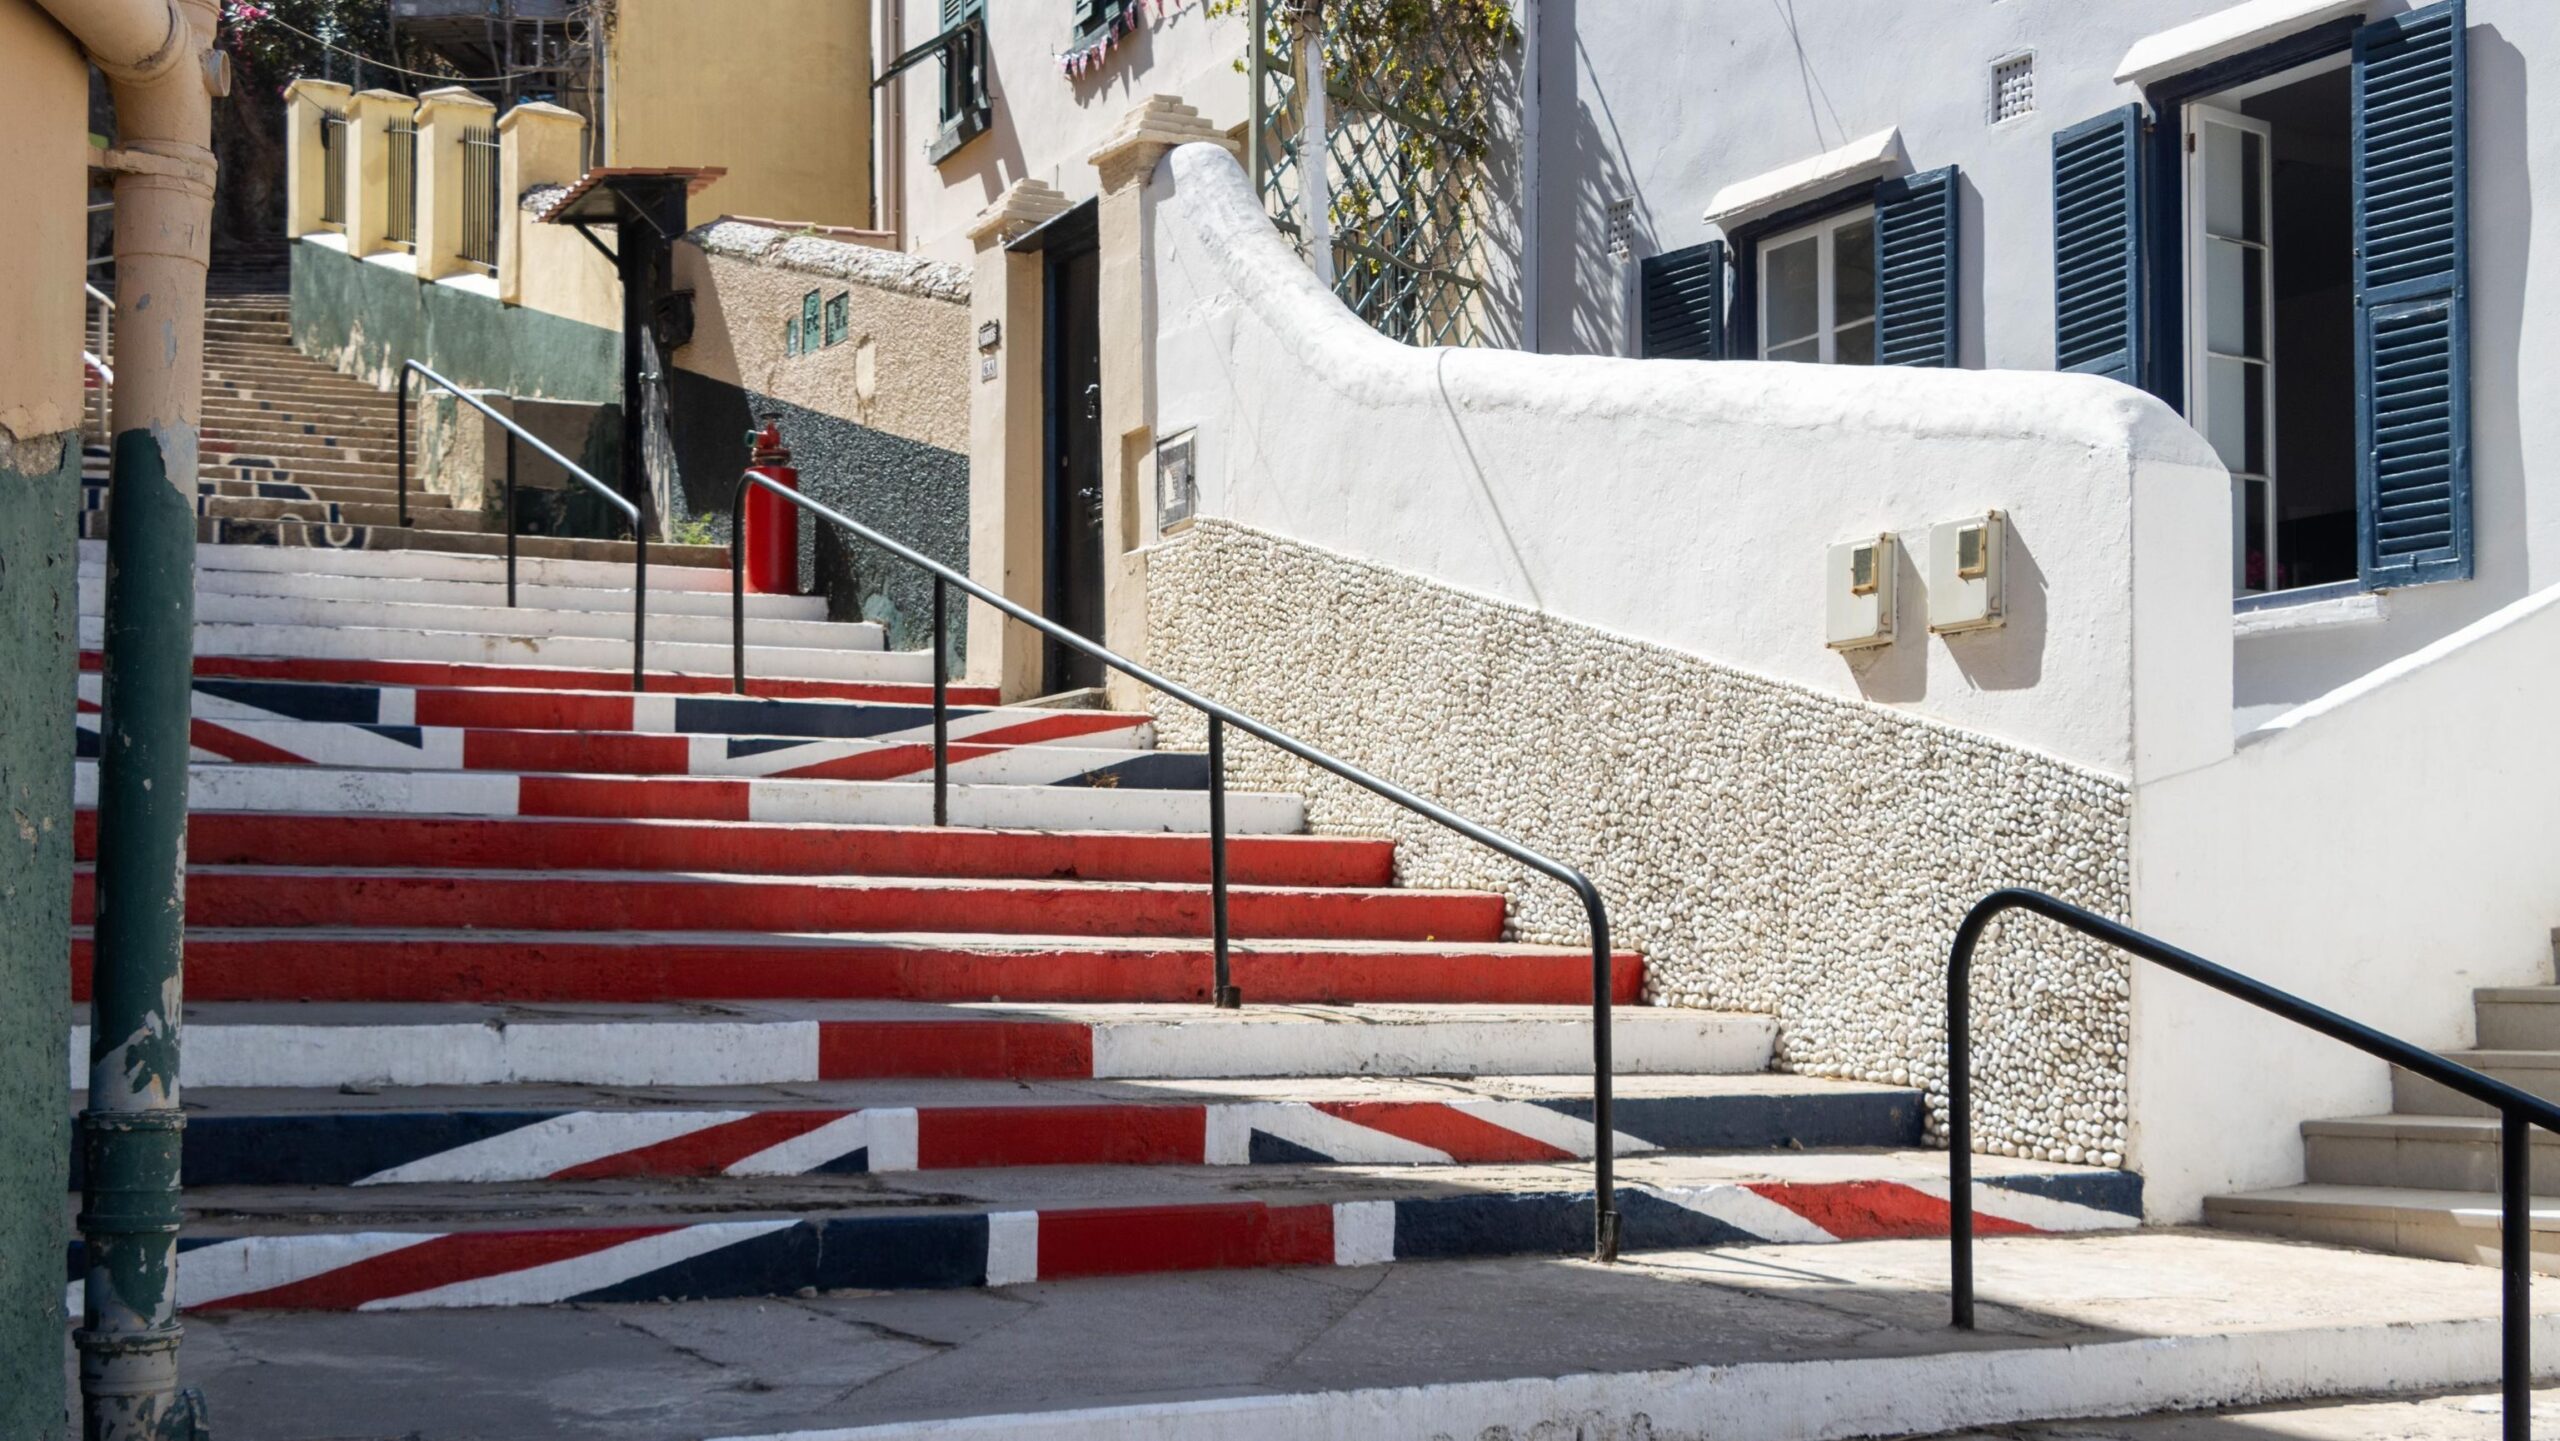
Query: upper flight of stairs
[296,454]
[2422,1180]
[507,986]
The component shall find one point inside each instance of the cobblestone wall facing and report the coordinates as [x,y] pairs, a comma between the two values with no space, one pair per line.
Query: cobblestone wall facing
[1767,847]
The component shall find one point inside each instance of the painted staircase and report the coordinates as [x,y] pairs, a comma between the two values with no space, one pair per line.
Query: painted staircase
[2422,1179]
[506,986]
[296,454]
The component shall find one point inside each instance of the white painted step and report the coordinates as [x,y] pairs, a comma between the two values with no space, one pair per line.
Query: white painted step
[222,786]
[771,1043]
[588,652]
[523,619]
[436,565]
[488,591]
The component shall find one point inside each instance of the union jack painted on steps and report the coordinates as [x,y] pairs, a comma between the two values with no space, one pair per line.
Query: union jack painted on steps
[908,1250]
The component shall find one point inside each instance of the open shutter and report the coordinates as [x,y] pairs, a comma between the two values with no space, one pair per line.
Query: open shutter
[2097,246]
[2413,403]
[1682,297]
[1916,269]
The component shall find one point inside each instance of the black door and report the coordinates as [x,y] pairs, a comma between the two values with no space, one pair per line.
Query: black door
[1074,384]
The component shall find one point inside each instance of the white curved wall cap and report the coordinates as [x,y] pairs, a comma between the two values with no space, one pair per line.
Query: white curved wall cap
[2223,34]
[1336,350]
[1869,157]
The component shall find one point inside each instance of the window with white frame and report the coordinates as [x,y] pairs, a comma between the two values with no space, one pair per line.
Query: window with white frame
[1817,290]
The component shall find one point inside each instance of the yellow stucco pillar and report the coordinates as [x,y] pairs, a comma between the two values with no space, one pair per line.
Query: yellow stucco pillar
[538,144]
[444,116]
[308,103]
[1008,448]
[1125,161]
[368,136]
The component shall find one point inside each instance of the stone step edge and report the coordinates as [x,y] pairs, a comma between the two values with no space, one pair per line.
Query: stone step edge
[941,1249]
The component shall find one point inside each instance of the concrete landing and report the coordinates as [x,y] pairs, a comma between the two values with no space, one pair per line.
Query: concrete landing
[1772,1342]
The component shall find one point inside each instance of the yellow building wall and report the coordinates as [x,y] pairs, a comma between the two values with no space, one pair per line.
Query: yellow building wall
[44,112]
[779,91]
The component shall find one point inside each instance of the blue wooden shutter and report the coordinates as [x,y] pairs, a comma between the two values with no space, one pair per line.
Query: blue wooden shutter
[2097,246]
[2413,382]
[1682,298]
[1916,269]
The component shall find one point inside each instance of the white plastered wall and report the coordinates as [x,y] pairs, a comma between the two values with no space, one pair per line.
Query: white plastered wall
[1689,504]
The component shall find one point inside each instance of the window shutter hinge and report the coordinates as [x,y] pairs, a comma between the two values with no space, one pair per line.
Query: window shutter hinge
[2191,142]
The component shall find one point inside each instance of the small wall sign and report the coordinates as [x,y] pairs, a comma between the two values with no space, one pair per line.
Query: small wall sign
[1177,488]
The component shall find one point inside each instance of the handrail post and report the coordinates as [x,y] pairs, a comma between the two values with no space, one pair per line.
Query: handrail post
[2515,1257]
[1223,991]
[511,520]
[403,444]
[941,707]
[1960,1112]
[738,584]
[639,606]
[1604,1126]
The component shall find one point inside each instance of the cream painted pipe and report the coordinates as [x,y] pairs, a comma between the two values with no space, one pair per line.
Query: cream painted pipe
[131,40]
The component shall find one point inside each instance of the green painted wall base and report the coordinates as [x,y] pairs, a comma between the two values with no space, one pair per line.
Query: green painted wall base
[367,319]
[39,610]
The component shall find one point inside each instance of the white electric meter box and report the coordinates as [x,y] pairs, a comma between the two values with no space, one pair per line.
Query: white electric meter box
[1857,593]
[1966,558]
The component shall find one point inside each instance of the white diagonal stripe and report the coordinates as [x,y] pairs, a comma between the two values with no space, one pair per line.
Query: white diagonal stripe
[530,1153]
[2044,1213]
[1744,1209]
[1552,1127]
[560,1280]
[1332,1136]
[261,1263]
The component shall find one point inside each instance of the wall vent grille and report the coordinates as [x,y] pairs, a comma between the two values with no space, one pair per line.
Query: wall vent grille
[2013,88]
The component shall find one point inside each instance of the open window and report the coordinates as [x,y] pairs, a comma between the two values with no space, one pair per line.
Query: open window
[960,48]
[1817,291]
[2277,248]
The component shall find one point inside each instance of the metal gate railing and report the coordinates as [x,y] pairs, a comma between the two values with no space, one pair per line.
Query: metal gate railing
[1412,98]
[400,225]
[333,170]
[480,199]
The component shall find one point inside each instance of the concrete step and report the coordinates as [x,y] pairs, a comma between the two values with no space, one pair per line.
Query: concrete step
[252,509]
[611,574]
[534,1133]
[296,612]
[273,839]
[288,447]
[486,592]
[2403,1221]
[498,641]
[349,427]
[2434,1153]
[1772,1343]
[2518,1018]
[674,702]
[306,962]
[1452,930]
[633,753]
[228,482]
[224,786]
[325,1046]
[2535,1071]
[303,537]
[325,1248]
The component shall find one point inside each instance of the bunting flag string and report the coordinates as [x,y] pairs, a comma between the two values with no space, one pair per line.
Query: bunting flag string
[1089,57]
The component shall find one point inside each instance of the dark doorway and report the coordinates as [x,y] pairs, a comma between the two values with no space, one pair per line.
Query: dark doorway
[1074,401]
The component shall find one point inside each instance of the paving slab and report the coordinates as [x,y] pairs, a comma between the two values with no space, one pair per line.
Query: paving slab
[1770,1342]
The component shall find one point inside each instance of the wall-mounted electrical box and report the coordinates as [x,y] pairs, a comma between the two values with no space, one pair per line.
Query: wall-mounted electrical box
[1857,593]
[1966,558]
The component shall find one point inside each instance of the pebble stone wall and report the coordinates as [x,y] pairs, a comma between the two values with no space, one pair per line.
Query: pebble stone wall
[1768,848]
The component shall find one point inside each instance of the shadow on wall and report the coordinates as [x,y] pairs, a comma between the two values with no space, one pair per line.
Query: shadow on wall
[1596,282]
[2009,657]
[917,493]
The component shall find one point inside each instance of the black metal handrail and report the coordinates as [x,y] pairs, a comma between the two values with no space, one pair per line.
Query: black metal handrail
[515,432]
[1604,1221]
[2517,1109]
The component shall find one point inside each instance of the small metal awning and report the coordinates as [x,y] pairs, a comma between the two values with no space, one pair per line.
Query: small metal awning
[1073,225]
[597,198]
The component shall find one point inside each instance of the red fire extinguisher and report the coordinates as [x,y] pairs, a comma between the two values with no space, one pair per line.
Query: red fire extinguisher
[770,529]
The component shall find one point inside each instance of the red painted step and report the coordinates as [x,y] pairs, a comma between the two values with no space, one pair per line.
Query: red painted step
[459,967]
[456,673]
[251,838]
[265,898]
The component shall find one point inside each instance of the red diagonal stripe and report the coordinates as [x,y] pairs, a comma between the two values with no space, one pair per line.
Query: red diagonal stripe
[233,746]
[1444,1128]
[706,1152]
[1879,1210]
[460,1256]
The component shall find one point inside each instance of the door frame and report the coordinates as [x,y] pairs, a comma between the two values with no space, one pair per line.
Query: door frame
[1065,238]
